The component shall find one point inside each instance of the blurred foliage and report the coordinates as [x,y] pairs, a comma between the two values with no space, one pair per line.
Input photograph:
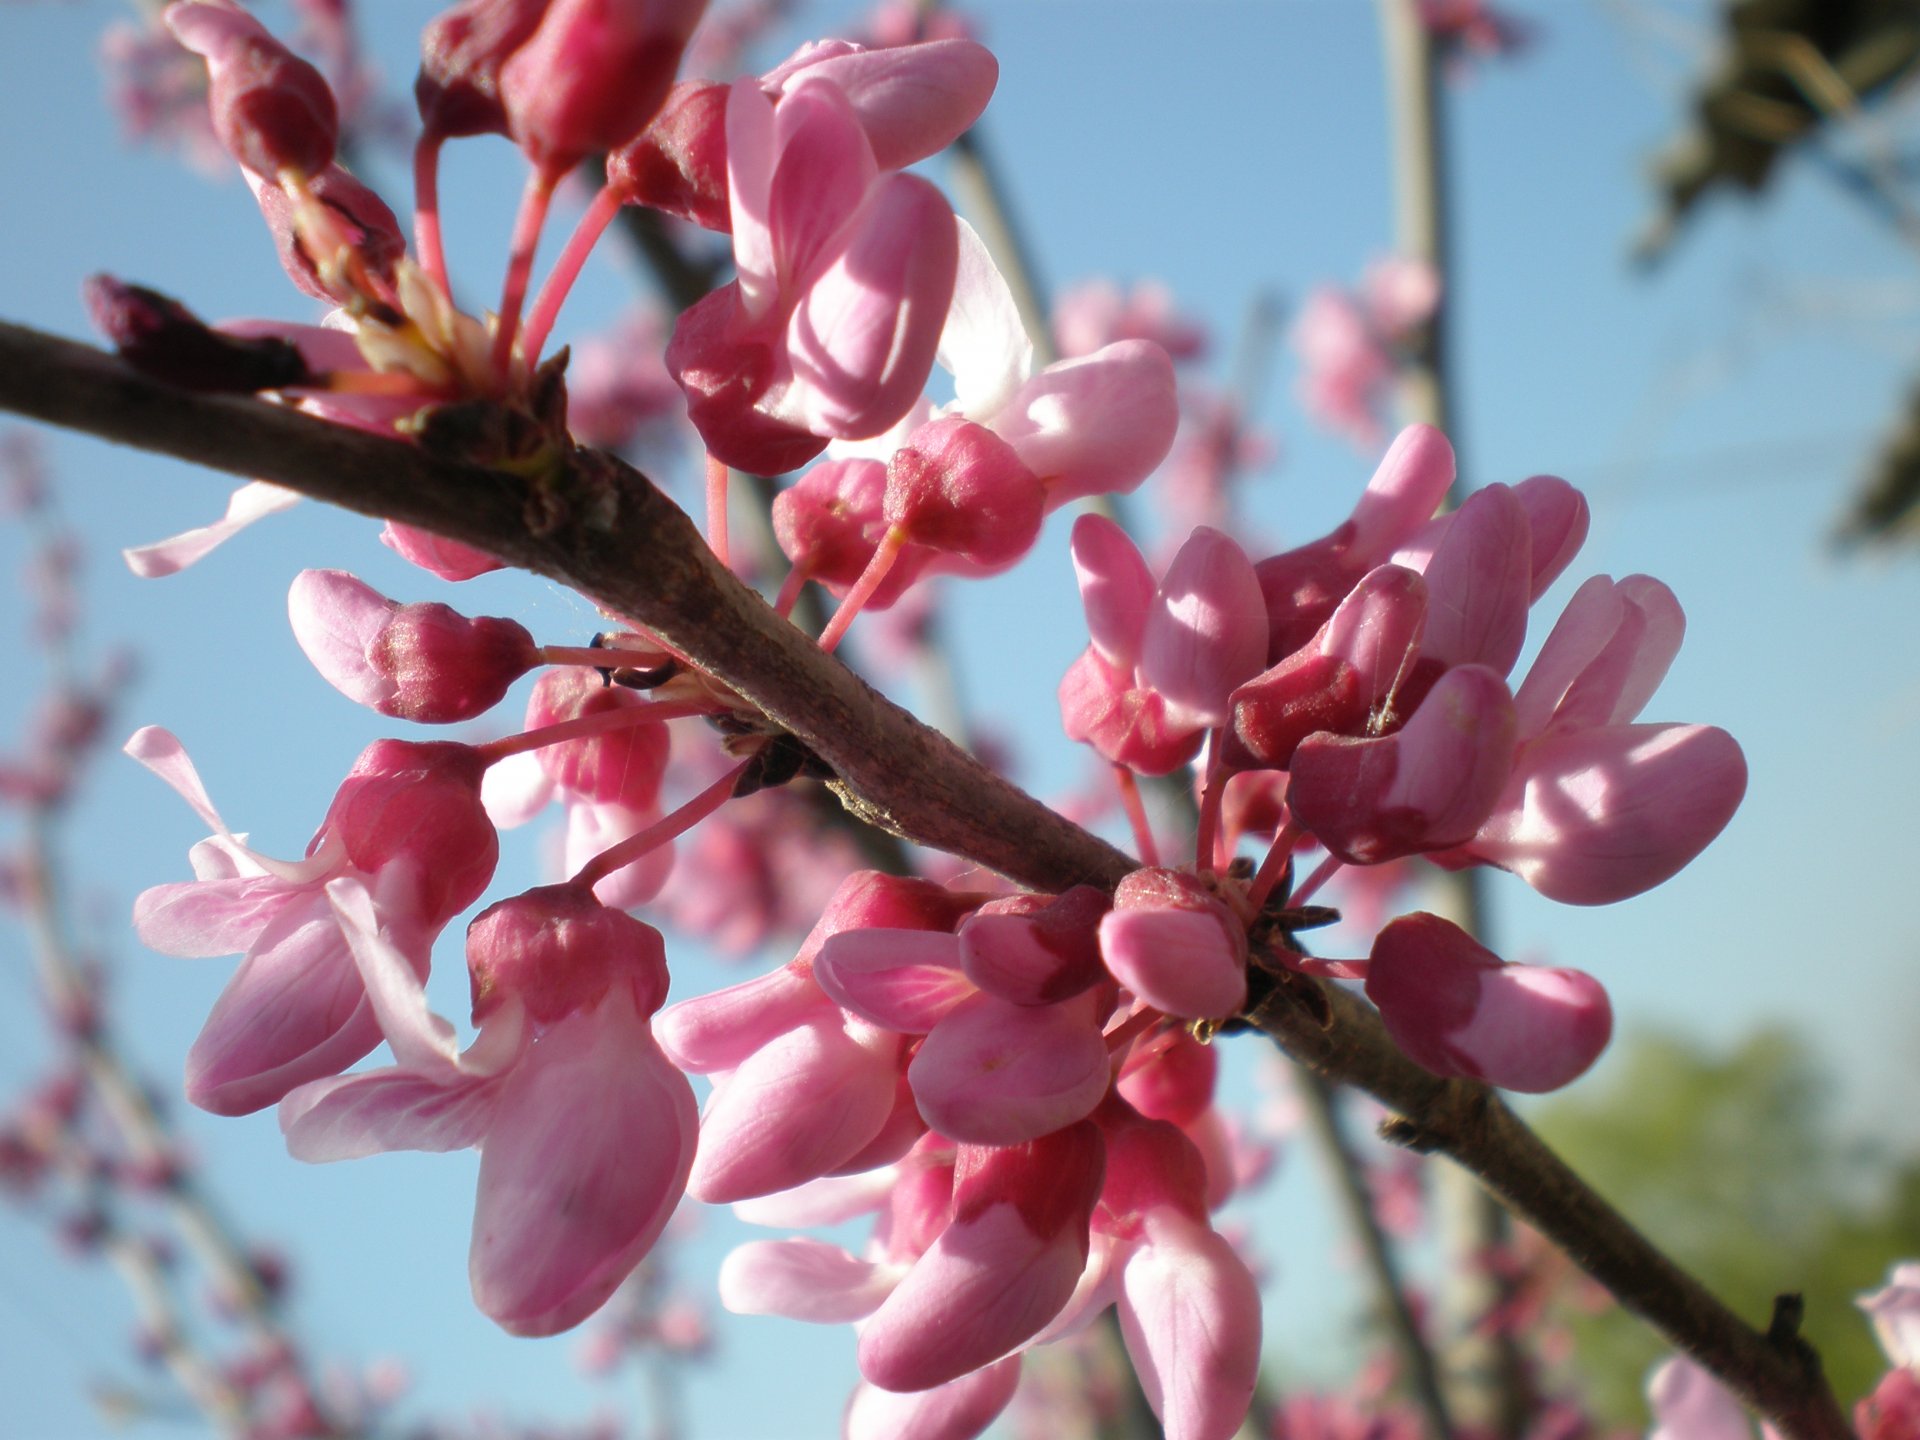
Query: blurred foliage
[1784,68]
[1735,1166]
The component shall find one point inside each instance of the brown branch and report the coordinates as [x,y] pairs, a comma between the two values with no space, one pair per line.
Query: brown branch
[599,526]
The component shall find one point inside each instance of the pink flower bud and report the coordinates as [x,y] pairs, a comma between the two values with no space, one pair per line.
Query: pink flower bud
[1458,1009]
[678,164]
[361,214]
[958,487]
[556,950]
[592,73]
[271,109]
[423,662]
[419,804]
[621,766]
[461,52]
[1035,949]
[1174,945]
[1170,1076]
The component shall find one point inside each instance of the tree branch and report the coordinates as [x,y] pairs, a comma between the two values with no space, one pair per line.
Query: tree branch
[597,525]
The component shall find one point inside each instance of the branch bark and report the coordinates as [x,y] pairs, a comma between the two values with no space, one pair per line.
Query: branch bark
[601,527]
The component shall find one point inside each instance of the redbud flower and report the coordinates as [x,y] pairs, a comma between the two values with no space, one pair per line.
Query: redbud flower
[586,1130]
[422,662]
[271,109]
[1176,946]
[407,824]
[1458,1009]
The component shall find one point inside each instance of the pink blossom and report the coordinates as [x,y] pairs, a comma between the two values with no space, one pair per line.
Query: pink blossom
[1092,315]
[844,277]
[1165,658]
[1348,344]
[586,1130]
[1175,945]
[407,825]
[1456,1008]
[1894,1310]
[422,662]
[272,110]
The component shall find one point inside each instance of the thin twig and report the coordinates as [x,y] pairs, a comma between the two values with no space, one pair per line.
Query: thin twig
[599,526]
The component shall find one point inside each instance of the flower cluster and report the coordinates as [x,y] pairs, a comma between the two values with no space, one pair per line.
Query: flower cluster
[1018,1087]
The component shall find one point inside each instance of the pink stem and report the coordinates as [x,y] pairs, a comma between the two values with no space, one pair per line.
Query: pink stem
[1273,867]
[619,856]
[527,225]
[583,726]
[1322,873]
[606,657]
[1136,816]
[889,551]
[789,595]
[1212,795]
[566,270]
[426,212]
[717,476]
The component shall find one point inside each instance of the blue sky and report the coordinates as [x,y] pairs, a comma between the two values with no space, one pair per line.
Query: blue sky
[1715,412]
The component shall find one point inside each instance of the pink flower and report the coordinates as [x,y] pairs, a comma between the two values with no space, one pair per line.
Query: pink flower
[424,662]
[1456,1008]
[586,1129]
[1092,315]
[1894,1310]
[407,825]
[271,109]
[1165,658]
[1175,945]
[1348,344]
[845,276]
[1598,808]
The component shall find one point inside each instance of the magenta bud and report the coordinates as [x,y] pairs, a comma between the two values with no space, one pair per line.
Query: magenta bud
[679,162]
[556,949]
[363,216]
[161,337]
[1457,1008]
[1176,946]
[419,803]
[271,110]
[958,487]
[592,74]
[426,662]
[461,52]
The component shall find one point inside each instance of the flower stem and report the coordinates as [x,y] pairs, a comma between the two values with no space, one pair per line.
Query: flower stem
[1136,809]
[566,270]
[870,580]
[585,726]
[426,212]
[527,225]
[619,856]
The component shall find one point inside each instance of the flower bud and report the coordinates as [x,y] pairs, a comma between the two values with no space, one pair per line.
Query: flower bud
[271,109]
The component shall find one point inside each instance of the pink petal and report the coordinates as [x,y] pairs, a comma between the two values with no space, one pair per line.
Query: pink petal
[1599,815]
[1407,486]
[339,620]
[1690,1404]
[1116,588]
[830,1200]
[1456,1008]
[353,1116]
[1479,584]
[720,1030]
[1207,630]
[515,789]
[902,980]
[1592,617]
[986,1286]
[983,344]
[803,1279]
[1557,518]
[824,171]
[1096,425]
[593,828]
[253,501]
[436,554]
[1895,1313]
[862,340]
[995,1073]
[1189,961]
[1035,953]
[162,753]
[797,1108]
[1616,687]
[957,1410]
[197,918]
[295,1011]
[751,155]
[587,1156]
[1426,787]
[912,100]
[1190,1315]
